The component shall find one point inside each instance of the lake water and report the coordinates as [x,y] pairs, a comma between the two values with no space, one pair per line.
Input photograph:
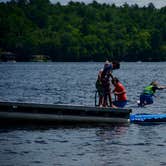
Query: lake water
[74,83]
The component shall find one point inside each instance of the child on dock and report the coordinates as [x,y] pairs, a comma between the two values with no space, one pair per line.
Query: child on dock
[120,93]
[99,88]
[104,88]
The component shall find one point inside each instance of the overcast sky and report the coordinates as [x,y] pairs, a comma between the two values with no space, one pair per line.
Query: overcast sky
[157,3]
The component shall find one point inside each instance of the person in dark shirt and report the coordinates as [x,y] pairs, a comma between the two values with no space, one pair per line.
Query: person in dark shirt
[99,89]
[105,81]
[146,96]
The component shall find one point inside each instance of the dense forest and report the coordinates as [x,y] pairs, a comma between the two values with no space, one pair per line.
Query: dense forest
[81,32]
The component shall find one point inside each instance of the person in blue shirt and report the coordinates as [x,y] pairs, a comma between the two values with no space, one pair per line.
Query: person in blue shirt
[146,96]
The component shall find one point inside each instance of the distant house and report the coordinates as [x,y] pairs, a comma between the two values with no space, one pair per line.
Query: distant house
[8,56]
[39,58]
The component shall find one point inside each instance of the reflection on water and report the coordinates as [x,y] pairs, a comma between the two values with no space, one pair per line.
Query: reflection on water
[108,133]
[74,83]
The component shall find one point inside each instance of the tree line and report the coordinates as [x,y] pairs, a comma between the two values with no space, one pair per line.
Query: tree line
[82,32]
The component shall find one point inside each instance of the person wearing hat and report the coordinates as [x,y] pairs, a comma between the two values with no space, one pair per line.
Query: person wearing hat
[146,96]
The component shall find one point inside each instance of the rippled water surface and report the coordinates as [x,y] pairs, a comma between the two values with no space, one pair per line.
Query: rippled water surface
[74,83]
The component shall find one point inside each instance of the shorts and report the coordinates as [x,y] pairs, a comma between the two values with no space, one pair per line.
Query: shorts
[146,99]
[120,104]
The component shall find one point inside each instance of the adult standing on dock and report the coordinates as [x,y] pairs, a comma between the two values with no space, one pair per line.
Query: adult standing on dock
[105,82]
[99,88]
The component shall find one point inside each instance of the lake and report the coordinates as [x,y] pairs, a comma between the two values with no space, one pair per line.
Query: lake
[74,83]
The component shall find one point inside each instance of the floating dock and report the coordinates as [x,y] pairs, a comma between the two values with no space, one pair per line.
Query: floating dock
[148,118]
[49,113]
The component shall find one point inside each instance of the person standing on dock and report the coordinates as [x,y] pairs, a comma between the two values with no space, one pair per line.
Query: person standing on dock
[120,93]
[99,88]
[146,96]
[106,73]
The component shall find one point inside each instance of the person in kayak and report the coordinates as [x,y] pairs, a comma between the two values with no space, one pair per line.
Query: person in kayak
[146,96]
[120,93]
[105,81]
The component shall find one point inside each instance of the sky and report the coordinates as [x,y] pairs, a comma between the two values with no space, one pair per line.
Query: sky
[157,3]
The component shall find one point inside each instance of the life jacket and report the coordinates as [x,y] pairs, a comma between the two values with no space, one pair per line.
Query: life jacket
[149,90]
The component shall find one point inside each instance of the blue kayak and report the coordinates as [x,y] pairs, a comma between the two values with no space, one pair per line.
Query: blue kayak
[138,118]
